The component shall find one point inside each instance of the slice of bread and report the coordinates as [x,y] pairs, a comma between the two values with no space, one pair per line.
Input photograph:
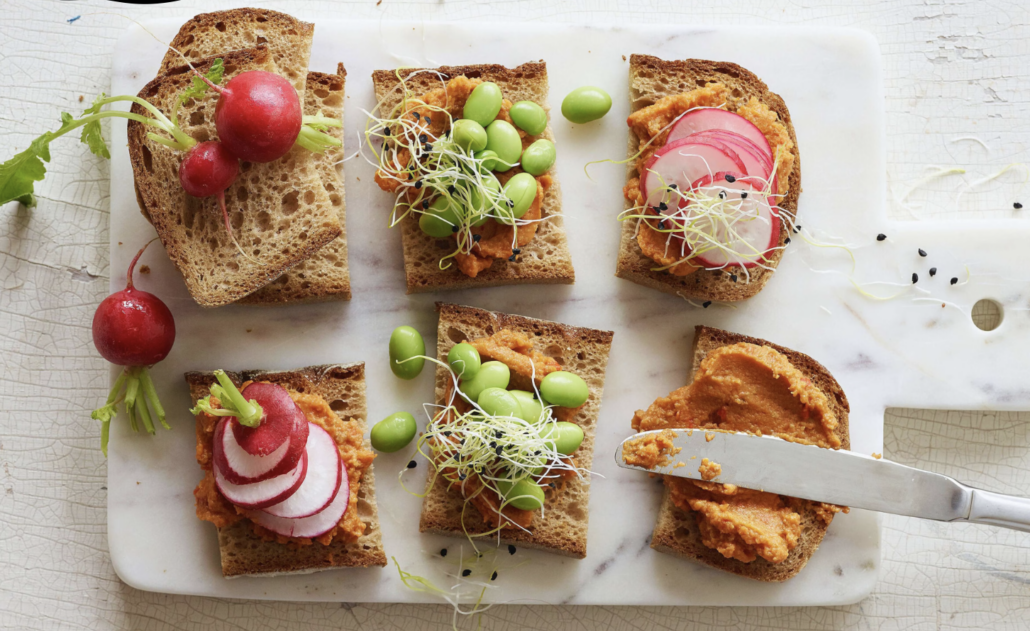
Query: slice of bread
[546,260]
[650,79]
[326,275]
[676,531]
[562,528]
[244,553]
[280,212]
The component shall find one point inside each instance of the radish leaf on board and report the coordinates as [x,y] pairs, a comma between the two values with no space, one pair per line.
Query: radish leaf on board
[200,87]
[91,135]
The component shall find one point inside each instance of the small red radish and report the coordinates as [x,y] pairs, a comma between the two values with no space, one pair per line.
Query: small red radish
[135,329]
[264,493]
[240,467]
[209,169]
[258,116]
[325,473]
[311,526]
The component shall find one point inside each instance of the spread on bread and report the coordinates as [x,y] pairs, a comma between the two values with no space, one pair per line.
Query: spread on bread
[470,165]
[747,388]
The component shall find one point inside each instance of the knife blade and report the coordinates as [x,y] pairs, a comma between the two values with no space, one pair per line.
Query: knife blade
[845,478]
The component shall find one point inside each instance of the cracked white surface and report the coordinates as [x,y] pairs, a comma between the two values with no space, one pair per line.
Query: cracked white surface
[952,69]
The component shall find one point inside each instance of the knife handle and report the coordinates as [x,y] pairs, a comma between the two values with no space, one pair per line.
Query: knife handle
[997,509]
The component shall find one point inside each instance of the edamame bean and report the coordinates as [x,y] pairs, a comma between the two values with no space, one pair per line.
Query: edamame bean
[538,157]
[564,389]
[497,402]
[520,190]
[490,375]
[504,139]
[483,104]
[524,494]
[530,407]
[440,221]
[488,157]
[529,117]
[567,437]
[468,134]
[586,104]
[464,360]
[479,204]
[405,343]
[394,432]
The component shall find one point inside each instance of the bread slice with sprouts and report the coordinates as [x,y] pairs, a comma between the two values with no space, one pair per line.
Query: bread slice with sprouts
[562,526]
[650,80]
[545,259]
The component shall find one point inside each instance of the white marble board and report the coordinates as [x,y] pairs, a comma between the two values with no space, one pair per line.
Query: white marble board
[919,349]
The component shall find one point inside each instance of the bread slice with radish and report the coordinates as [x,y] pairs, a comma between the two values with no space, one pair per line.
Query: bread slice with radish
[254,541]
[699,149]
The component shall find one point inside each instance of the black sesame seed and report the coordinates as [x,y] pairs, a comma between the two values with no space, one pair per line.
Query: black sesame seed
[706,304]
[423,138]
[787,242]
[499,434]
[663,206]
[425,204]
[466,572]
[933,272]
[730,178]
[954,280]
[447,432]
[511,203]
[733,277]
[922,252]
[418,184]
[428,147]
[493,577]
[412,464]
[454,228]
[461,476]
[498,450]
[743,194]
[881,237]
[1017,205]
[386,132]
[511,549]
[512,258]
[672,187]
[661,224]
[443,552]
[451,189]
[417,118]
[493,444]
[915,278]
[722,194]
[517,251]
[477,237]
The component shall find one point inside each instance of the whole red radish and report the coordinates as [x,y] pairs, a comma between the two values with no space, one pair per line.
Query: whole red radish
[263,422]
[135,329]
[208,169]
[258,116]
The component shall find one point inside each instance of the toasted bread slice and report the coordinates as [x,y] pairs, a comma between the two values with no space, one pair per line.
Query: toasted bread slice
[244,553]
[326,275]
[650,79]
[546,260]
[676,531]
[209,34]
[562,528]
[280,212]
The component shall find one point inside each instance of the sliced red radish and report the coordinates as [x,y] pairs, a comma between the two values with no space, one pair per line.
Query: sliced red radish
[314,525]
[756,163]
[266,492]
[239,467]
[706,118]
[277,419]
[325,471]
[682,163]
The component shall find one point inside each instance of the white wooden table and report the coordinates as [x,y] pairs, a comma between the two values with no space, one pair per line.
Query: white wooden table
[953,69]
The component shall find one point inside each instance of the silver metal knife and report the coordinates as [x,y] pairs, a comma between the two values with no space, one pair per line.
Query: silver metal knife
[845,478]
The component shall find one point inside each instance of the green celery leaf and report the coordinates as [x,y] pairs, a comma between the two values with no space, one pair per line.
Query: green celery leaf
[91,135]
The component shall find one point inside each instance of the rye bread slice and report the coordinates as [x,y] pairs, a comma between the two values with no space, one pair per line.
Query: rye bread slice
[676,530]
[280,211]
[546,260]
[244,553]
[562,528]
[650,79]
[326,275]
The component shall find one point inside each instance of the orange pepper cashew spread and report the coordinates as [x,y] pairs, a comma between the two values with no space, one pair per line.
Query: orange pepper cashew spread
[648,122]
[497,240]
[747,388]
[212,506]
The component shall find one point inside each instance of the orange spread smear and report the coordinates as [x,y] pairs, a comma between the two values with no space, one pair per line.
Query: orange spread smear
[515,350]
[650,451]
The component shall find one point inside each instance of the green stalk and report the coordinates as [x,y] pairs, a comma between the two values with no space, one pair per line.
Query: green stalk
[131,390]
[144,414]
[316,141]
[150,392]
[105,435]
[249,413]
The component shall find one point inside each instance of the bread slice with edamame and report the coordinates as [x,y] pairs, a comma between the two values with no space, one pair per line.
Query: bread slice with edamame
[243,553]
[650,79]
[562,527]
[546,259]
[676,531]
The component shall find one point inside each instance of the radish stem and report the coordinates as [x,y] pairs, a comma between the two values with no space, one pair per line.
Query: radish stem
[144,414]
[150,392]
[249,413]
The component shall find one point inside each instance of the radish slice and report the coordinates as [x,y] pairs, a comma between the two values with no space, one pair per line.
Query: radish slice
[264,493]
[240,467]
[707,118]
[313,526]
[756,163]
[325,471]
[681,164]
[277,419]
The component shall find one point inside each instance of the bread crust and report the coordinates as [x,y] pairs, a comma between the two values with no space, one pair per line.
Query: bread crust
[245,554]
[562,528]
[676,530]
[546,259]
[678,77]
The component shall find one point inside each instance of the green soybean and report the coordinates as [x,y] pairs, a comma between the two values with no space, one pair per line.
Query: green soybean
[468,134]
[504,139]
[538,157]
[440,221]
[490,375]
[394,432]
[530,407]
[488,157]
[479,205]
[567,437]
[483,104]
[520,190]
[529,117]
[524,494]
[586,104]
[405,343]
[464,360]
[564,389]
[498,402]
